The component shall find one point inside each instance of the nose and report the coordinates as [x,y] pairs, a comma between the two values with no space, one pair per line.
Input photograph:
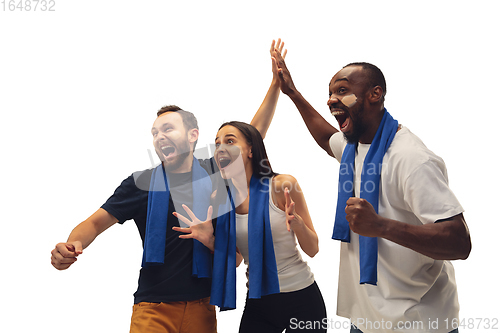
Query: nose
[332,100]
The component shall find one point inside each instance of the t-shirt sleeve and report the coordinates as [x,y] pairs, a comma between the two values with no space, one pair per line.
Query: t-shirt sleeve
[209,165]
[337,144]
[428,194]
[127,200]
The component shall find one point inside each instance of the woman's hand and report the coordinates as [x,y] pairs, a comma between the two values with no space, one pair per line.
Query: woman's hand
[202,231]
[278,48]
[293,220]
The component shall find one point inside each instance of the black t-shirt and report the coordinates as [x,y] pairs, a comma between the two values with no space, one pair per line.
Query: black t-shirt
[171,281]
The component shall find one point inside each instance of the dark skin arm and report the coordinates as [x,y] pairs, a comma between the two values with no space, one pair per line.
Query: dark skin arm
[320,129]
[447,239]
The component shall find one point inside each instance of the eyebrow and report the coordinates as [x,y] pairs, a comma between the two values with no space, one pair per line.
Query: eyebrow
[342,79]
[232,135]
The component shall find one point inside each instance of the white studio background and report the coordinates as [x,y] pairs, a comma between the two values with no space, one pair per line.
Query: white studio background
[79,91]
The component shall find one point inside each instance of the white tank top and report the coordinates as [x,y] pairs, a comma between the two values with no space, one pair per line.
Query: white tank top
[293,272]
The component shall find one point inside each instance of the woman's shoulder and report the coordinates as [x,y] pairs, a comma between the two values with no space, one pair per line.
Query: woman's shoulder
[282,181]
[279,184]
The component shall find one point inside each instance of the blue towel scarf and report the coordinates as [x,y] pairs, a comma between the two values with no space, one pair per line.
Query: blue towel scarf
[368,246]
[156,224]
[263,272]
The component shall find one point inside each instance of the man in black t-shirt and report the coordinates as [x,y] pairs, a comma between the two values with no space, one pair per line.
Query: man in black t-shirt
[168,295]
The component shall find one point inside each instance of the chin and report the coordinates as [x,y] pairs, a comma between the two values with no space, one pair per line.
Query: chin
[173,163]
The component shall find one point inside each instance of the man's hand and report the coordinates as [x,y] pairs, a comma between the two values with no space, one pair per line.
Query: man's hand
[65,254]
[362,218]
[201,231]
[279,66]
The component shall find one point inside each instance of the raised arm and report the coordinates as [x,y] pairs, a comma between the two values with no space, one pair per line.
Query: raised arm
[320,129]
[264,115]
[65,254]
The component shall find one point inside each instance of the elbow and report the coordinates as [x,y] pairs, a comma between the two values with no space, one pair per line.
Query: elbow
[466,247]
[313,251]
[465,244]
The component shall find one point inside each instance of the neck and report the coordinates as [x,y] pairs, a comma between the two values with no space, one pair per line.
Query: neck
[372,127]
[186,166]
[242,185]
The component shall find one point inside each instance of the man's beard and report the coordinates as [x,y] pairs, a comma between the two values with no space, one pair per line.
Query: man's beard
[183,151]
[358,128]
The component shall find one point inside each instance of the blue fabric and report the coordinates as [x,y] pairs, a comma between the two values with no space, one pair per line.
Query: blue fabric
[263,272]
[370,184]
[156,224]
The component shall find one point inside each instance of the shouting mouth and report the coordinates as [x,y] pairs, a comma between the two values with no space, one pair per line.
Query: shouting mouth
[343,119]
[168,150]
[224,162]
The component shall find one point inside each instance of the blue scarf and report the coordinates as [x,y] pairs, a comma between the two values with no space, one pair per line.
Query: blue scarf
[263,272]
[368,246]
[156,224]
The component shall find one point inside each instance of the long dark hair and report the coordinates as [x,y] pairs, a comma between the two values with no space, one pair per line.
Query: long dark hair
[260,161]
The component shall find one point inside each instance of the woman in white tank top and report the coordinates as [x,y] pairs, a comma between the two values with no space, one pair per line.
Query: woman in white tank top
[240,154]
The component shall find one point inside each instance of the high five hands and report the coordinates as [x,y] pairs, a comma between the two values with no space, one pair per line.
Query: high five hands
[280,69]
[278,49]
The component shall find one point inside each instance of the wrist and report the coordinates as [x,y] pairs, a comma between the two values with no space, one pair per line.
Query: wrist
[211,243]
[298,226]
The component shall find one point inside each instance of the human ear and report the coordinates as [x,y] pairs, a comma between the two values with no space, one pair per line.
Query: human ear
[376,95]
[193,135]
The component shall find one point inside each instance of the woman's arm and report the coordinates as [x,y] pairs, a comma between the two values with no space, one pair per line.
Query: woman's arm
[290,198]
[264,115]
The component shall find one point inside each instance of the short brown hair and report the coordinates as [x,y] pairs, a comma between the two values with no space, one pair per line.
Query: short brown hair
[188,118]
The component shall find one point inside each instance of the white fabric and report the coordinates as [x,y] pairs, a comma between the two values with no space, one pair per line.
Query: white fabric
[413,291]
[293,272]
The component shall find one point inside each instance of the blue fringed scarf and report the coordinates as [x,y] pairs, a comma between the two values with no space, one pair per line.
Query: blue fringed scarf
[156,224]
[263,272]
[368,246]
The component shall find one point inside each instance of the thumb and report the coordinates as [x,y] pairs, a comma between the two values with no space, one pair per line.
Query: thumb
[75,247]
[209,213]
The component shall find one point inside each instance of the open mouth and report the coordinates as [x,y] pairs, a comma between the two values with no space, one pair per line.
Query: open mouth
[224,162]
[167,150]
[343,118]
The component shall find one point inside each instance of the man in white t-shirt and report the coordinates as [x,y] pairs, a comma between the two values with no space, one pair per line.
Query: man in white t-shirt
[419,224]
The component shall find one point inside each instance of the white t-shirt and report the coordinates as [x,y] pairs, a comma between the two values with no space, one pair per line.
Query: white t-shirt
[293,272]
[413,292]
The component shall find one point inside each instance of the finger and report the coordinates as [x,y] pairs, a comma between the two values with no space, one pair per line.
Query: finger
[288,224]
[191,214]
[352,201]
[272,46]
[183,219]
[275,63]
[60,266]
[184,230]
[188,236]
[280,45]
[78,248]
[66,250]
[58,258]
[284,54]
[288,199]
[209,213]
